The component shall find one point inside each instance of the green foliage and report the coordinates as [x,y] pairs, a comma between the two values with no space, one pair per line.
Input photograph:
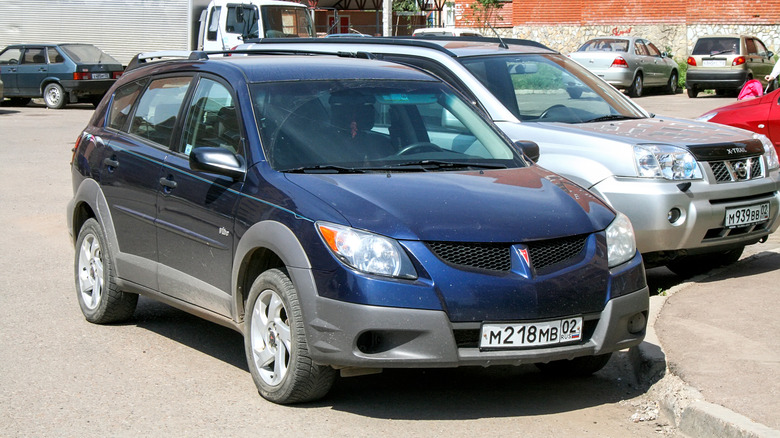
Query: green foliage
[682,69]
[485,12]
[546,78]
[405,6]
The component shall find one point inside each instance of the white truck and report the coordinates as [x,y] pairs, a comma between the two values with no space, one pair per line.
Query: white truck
[225,24]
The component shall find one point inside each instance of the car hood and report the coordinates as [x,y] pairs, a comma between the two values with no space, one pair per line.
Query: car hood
[706,141]
[747,103]
[509,205]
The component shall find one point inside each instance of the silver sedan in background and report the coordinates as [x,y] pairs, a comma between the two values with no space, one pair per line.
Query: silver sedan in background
[629,63]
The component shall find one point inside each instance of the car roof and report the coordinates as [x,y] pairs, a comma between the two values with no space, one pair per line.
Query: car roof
[285,67]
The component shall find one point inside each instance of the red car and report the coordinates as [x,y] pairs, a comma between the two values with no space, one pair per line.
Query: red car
[760,115]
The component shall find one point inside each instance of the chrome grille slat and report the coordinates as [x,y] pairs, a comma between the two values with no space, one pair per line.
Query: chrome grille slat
[744,169]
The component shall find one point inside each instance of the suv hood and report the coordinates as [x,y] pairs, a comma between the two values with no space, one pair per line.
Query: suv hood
[511,205]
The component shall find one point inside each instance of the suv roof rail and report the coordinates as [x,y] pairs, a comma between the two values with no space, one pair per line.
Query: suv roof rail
[426,41]
[143,58]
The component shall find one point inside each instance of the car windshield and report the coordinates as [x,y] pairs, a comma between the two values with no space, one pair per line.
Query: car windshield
[605,45]
[550,88]
[344,126]
[716,46]
[87,54]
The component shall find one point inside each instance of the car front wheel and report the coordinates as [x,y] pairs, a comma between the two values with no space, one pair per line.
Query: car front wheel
[54,96]
[671,87]
[100,300]
[275,343]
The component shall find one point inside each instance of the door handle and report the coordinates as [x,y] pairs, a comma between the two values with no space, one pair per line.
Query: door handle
[111,162]
[168,183]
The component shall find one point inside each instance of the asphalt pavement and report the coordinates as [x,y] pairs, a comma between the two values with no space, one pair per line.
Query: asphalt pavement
[712,350]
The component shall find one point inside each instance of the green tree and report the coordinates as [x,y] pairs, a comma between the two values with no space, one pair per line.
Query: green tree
[485,12]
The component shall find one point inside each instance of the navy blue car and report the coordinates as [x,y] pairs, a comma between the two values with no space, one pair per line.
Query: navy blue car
[344,215]
[59,73]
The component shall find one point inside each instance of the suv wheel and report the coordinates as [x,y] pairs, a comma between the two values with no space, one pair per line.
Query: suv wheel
[690,266]
[635,90]
[577,367]
[100,300]
[54,96]
[275,343]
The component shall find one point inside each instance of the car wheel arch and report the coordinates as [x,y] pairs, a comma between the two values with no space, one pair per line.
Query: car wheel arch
[90,202]
[265,245]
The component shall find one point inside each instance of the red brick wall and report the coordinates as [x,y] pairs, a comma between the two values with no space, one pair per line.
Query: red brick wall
[598,12]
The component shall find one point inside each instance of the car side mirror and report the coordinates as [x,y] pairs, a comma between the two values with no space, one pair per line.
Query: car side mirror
[218,160]
[770,54]
[529,148]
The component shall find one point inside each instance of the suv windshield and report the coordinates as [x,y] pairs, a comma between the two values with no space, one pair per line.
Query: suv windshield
[87,54]
[358,126]
[550,88]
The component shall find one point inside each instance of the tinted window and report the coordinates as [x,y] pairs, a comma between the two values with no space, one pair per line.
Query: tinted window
[373,125]
[716,46]
[751,46]
[122,104]
[158,108]
[10,56]
[54,56]
[652,49]
[283,21]
[640,49]
[34,55]
[605,45]
[242,20]
[212,120]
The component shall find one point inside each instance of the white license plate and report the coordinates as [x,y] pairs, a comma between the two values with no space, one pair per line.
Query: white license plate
[737,217]
[100,76]
[713,63]
[530,334]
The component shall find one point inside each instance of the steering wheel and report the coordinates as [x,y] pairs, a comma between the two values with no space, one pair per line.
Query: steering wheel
[420,146]
[555,108]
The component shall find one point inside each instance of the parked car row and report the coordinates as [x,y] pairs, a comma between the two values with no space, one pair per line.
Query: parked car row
[355,204]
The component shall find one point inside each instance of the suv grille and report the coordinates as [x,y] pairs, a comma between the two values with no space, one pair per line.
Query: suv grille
[498,256]
[737,170]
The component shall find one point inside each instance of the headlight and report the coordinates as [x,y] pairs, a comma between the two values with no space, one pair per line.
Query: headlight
[366,252]
[769,152]
[707,117]
[621,245]
[663,161]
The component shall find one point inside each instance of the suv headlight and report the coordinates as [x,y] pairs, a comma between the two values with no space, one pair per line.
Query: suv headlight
[769,152]
[621,244]
[664,161]
[366,252]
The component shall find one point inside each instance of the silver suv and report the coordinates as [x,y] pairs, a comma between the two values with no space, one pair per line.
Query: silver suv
[697,194]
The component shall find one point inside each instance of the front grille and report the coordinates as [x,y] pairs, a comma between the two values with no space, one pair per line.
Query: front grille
[737,170]
[498,256]
[489,256]
[549,252]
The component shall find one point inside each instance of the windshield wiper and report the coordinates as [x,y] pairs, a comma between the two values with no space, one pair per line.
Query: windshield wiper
[324,168]
[611,117]
[439,164]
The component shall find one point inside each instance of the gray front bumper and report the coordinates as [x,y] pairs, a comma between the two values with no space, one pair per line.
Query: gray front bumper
[412,338]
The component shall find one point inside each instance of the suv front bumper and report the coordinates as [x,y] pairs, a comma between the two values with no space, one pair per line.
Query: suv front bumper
[703,208]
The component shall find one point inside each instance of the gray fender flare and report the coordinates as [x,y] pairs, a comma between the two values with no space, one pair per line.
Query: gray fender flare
[281,240]
[90,193]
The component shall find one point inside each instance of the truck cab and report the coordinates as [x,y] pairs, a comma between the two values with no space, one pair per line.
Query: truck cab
[227,23]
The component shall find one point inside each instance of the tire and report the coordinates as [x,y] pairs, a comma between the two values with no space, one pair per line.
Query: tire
[635,90]
[100,300]
[577,367]
[671,86]
[54,96]
[690,266]
[275,344]
[692,92]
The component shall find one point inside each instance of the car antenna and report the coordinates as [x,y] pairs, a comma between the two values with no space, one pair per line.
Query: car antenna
[501,42]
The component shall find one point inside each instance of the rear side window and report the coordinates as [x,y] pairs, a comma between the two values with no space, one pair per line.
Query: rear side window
[158,109]
[54,56]
[122,104]
[35,55]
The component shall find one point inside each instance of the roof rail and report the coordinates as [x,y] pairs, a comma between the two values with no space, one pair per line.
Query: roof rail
[143,58]
[426,41]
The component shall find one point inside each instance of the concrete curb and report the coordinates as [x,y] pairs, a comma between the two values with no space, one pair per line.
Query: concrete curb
[682,404]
